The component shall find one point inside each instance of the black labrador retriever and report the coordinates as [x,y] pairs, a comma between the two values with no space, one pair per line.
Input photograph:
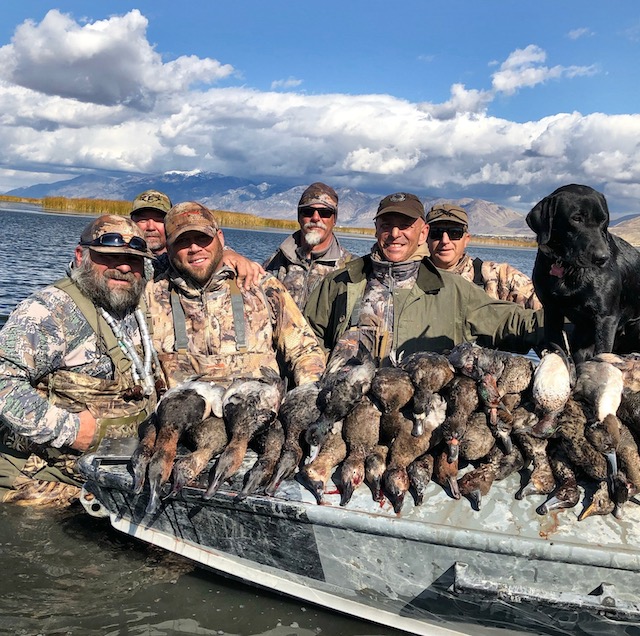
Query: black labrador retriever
[586,274]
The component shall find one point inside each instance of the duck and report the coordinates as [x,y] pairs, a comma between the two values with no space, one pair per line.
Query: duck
[404,449]
[268,445]
[420,471]
[628,364]
[626,481]
[249,405]
[478,439]
[499,417]
[571,434]
[342,386]
[566,494]
[475,484]
[429,373]
[178,409]
[315,475]
[462,400]
[391,389]
[552,384]
[297,412]
[541,480]
[629,410]
[515,379]
[360,431]
[600,502]
[445,471]
[604,436]
[208,438]
[143,453]
[599,384]
[374,466]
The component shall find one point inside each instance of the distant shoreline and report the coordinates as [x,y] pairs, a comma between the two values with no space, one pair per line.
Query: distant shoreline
[62,205]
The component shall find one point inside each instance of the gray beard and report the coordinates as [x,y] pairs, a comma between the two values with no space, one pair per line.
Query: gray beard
[313,238]
[95,287]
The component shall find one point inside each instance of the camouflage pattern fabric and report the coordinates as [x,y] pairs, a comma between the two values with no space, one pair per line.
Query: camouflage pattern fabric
[52,366]
[501,281]
[276,332]
[299,274]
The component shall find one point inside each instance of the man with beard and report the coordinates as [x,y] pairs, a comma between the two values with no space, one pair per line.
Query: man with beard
[76,365]
[203,323]
[397,302]
[313,251]
[148,211]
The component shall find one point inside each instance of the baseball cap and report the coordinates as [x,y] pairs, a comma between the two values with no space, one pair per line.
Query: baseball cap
[153,199]
[319,193]
[402,203]
[113,234]
[447,212]
[189,216]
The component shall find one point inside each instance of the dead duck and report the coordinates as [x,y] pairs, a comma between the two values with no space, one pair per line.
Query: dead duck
[552,383]
[566,494]
[404,449]
[420,471]
[249,405]
[478,439]
[462,400]
[445,471]
[429,372]
[391,389]
[600,385]
[626,481]
[515,378]
[179,408]
[374,466]
[571,435]
[360,431]
[208,438]
[315,475]
[541,480]
[297,411]
[342,386]
[604,436]
[268,445]
[628,364]
[600,502]
[629,410]
[475,484]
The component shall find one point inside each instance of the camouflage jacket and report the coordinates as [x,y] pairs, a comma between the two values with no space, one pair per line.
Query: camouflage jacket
[500,281]
[299,274]
[54,365]
[272,331]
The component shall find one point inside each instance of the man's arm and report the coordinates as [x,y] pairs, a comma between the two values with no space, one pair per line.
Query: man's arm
[32,345]
[248,272]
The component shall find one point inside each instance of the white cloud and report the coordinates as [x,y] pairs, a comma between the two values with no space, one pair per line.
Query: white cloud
[116,105]
[576,34]
[525,68]
[291,82]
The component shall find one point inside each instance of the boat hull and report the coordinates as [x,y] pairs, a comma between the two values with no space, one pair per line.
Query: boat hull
[440,568]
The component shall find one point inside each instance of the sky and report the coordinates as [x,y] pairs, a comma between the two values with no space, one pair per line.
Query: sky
[503,100]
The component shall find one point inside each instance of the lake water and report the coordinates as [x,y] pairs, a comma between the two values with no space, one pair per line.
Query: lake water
[67,573]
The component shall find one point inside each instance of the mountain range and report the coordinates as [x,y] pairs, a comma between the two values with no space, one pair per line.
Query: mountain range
[279,200]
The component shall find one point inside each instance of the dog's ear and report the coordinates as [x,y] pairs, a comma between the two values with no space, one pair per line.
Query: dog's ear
[540,220]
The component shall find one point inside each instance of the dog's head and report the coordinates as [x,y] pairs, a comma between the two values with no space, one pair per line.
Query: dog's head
[571,226]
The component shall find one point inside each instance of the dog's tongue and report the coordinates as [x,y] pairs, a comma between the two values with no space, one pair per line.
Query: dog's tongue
[557,270]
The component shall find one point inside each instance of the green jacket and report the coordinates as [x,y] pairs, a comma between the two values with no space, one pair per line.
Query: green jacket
[439,312]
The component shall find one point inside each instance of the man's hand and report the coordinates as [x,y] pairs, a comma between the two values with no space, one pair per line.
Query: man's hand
[248,272]
[86,432]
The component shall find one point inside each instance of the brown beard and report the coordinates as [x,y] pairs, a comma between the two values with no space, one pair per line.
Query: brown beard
[95,286]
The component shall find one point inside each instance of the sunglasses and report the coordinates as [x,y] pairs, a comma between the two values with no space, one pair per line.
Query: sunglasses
[325,213]
[114,239]
[455,233]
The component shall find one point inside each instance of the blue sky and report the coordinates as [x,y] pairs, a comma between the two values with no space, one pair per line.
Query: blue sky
[497,99]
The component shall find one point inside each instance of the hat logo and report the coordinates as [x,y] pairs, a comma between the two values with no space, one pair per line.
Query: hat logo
[396,198]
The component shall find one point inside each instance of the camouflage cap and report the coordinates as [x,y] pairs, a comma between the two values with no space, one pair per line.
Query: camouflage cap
[151,199]
[319,193]
[189,216]
[447,212]
[402,203]
[112,234]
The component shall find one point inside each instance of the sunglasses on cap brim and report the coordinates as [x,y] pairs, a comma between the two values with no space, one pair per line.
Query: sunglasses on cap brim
[114,239]
[324,213]
[454,233]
